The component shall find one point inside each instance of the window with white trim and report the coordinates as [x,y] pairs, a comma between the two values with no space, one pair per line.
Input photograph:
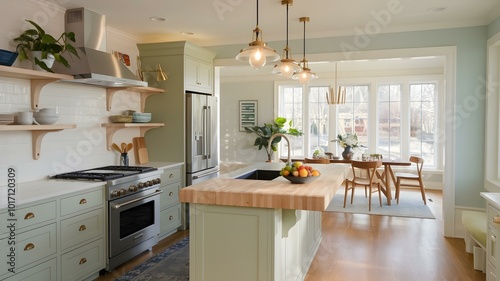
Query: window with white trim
[393,119]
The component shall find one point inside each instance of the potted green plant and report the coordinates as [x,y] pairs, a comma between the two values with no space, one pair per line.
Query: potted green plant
[264,133]
[37,40]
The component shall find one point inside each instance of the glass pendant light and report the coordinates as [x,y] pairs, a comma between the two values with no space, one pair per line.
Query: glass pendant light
[286,66]
[305,74]
[257,53]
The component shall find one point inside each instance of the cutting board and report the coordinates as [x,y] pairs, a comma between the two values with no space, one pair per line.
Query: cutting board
[140,150]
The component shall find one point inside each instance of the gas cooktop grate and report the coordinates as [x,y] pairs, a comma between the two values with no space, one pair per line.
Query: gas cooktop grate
[90,176]
[104,175]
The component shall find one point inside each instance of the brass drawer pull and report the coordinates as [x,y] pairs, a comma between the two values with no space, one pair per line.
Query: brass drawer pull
[83,201]
[29,246]
[82,227]
[170,218]
[170,176]
[29,216]
[83,260]
[170,193]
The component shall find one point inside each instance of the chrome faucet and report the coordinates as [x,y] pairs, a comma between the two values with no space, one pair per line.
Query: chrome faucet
[271,141]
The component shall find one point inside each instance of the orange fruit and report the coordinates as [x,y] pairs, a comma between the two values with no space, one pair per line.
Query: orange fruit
[315,173]
[303,173]
[285,173]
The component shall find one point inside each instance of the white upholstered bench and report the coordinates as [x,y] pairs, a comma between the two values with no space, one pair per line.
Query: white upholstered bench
[475,226]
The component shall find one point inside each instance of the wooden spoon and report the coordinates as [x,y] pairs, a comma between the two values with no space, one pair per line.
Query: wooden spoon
[124,146]
[115,147]
[129,147]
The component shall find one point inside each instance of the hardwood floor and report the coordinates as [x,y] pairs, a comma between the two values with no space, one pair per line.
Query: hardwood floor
[363,247]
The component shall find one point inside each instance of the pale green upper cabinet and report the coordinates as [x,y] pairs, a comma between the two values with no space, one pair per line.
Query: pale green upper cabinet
[198,75]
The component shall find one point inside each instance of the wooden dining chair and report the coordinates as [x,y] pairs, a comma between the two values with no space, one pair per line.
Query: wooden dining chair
[411,180]
[364,174]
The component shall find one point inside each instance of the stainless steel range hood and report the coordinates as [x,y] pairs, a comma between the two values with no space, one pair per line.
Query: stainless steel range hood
[95,66]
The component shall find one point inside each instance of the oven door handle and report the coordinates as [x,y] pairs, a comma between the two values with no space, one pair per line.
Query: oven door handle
[118,206]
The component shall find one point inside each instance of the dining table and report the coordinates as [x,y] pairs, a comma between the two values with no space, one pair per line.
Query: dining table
[387,177]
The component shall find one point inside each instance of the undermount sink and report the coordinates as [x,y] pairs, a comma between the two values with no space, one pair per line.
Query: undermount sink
[266,175]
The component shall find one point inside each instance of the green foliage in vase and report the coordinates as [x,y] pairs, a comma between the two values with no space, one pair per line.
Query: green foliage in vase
[38,40]
[264,133]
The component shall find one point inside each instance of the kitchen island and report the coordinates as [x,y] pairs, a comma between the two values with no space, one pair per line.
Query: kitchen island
[246,229]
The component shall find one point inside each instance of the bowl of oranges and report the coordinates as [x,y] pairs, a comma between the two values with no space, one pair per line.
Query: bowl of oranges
[297,172]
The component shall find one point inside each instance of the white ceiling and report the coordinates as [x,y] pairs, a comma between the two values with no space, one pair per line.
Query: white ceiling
[223,22]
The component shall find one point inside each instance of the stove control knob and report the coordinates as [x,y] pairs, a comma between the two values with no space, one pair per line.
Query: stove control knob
[114,193]
[132,188]
[141,185]
[150,183]
[123,192]
[158,180]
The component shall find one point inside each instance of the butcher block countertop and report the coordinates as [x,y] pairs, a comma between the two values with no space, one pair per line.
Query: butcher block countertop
[277,194]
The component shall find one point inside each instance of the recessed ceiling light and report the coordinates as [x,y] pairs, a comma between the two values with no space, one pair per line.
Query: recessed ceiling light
[187,33]
[159,19]
[436,9]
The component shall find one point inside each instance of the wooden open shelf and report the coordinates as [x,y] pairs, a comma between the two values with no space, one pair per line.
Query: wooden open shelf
[37,133]
[111,129]
[144,91]
[38,79]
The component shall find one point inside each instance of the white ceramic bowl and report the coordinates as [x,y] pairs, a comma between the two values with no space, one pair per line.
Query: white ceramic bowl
[52,111]
[45,114]
[43,118]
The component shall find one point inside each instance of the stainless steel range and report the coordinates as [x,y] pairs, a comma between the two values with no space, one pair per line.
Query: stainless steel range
[133,208]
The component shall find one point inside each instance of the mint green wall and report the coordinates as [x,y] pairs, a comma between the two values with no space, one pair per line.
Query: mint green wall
[494,28]
[236,146]
[471,70]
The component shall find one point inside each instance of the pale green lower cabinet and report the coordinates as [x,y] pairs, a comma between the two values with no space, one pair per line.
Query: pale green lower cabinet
[46,271]
[61,239]
[170,220]
[170,207]
[83,261]
[251,244]
[36,244]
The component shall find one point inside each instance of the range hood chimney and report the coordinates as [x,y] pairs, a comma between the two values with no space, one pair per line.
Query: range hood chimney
[95,66]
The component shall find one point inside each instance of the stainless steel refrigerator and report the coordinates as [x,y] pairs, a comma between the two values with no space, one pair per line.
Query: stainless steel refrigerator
[202,153]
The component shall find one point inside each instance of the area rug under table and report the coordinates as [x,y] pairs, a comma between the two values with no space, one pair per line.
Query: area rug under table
[171,264]
[410,205]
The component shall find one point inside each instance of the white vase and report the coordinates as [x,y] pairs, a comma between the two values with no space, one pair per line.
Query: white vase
[49,61]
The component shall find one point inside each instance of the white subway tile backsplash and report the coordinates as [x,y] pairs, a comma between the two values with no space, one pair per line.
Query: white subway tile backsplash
[67,150]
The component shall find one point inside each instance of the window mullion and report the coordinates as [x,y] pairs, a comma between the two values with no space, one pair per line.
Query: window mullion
[305,118]
[405,120]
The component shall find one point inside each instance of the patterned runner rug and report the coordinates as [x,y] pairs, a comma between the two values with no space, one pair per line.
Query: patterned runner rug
[171,264]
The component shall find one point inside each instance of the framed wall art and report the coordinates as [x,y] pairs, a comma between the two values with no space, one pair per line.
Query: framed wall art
[248,114]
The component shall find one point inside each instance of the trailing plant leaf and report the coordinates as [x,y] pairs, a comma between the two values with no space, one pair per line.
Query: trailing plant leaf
[265,132]
[38,40]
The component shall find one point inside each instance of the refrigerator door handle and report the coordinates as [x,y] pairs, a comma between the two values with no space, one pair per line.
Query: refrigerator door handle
[205,132]
[209,126]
